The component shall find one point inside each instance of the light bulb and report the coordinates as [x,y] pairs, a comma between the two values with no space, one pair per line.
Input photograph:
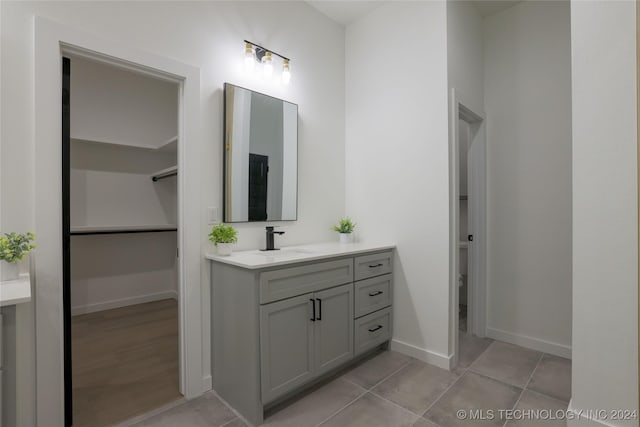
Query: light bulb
[286,72]
[267,65]
[249,61]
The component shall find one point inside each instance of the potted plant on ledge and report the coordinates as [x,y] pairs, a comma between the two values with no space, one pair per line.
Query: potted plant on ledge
[345,227]
[14,247]
[223,236]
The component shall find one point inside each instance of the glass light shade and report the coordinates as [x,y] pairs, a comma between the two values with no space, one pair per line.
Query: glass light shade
[249,60]
[267,65]
[286,72]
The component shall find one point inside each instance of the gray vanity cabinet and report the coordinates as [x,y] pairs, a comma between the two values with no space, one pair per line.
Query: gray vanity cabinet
[277,329]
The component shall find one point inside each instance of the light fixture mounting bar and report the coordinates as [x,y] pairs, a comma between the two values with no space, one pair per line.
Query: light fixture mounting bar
[267,50]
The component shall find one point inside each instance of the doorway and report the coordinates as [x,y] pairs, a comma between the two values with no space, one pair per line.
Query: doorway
[468,223]
[120,240]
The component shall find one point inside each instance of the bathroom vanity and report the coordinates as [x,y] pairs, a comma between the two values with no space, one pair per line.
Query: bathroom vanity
[282,320]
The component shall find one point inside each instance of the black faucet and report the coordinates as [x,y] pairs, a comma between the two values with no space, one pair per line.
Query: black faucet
[270,233]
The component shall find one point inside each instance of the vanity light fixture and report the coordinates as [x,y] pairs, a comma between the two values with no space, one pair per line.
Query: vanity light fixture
[255,53]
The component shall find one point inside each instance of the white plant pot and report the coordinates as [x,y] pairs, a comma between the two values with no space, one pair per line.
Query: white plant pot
[9,270]
[346,238]
[224,249]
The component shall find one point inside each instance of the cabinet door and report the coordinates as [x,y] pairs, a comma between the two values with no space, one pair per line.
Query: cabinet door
[286,344]
[333,327]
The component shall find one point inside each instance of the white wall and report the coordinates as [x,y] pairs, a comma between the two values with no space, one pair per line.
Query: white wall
[465,53]
[605,210]
[145,109]
[397,157]
[208,35]
[527,96]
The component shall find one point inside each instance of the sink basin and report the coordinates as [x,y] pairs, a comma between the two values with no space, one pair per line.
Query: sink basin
[285,252]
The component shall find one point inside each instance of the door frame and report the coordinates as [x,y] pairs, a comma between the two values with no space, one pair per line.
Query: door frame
[461,109]
[52,41]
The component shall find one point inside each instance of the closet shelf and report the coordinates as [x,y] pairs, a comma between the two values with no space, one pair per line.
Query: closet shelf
[165,173]
[121,229]
[169,145]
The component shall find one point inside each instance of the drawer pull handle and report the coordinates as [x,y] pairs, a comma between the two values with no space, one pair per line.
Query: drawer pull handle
[376,265]
[313,304]
[373,294]
[375,328]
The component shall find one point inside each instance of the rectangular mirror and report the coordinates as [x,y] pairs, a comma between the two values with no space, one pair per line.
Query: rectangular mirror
[260,157]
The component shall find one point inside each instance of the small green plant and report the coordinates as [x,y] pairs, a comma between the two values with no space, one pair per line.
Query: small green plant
[223,234]
[345,225]
[14,247]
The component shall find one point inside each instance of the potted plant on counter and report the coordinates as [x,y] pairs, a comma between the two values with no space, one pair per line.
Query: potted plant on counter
[345,227]
[14,247]
[223,236]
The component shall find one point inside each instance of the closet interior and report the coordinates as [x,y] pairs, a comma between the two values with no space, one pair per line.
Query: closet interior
[123,205]
[463,210]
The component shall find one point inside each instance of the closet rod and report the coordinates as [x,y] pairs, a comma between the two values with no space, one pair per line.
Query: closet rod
[165,173]
[150,230]
[158,177]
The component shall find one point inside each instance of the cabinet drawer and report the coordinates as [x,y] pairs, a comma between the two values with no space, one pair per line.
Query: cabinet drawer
[289,282]
[372,330]
[373,265]
[373,294]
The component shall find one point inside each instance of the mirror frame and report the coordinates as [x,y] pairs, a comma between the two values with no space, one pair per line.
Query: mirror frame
[226,197]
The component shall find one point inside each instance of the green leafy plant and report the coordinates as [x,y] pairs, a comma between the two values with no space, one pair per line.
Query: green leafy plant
[223,234]
[14,246]
[345,225]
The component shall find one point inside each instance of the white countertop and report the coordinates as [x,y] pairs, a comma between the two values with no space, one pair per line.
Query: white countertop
[257,259]
[15,291]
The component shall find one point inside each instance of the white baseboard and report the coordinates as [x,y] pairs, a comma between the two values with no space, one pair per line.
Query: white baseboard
[530,342]
[433,358]
[207,383]
[580,418]
[123,302]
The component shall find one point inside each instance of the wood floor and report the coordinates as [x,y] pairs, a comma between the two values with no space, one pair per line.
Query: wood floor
[125,362]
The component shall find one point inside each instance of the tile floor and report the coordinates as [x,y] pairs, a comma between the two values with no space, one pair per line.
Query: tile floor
[394,390]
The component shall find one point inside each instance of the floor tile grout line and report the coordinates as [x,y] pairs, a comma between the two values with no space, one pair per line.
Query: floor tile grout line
[547,396]
[515,405]
[464,371]
[442,394]
[396,404]
[391,374]
[480,355]
[232,420]
[342,408]
[365,391]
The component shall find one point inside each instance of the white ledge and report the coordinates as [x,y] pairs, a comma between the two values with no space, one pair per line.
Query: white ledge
[14,292]
[257,259]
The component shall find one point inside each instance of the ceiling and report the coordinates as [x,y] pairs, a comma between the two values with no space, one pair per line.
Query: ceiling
[490,7]
[344,12]
[347,11]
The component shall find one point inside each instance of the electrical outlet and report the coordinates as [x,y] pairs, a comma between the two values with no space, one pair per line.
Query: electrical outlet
[212,215]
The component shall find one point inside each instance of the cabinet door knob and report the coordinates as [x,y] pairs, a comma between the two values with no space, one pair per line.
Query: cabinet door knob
[313,305]
[375,328]
[373,294]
